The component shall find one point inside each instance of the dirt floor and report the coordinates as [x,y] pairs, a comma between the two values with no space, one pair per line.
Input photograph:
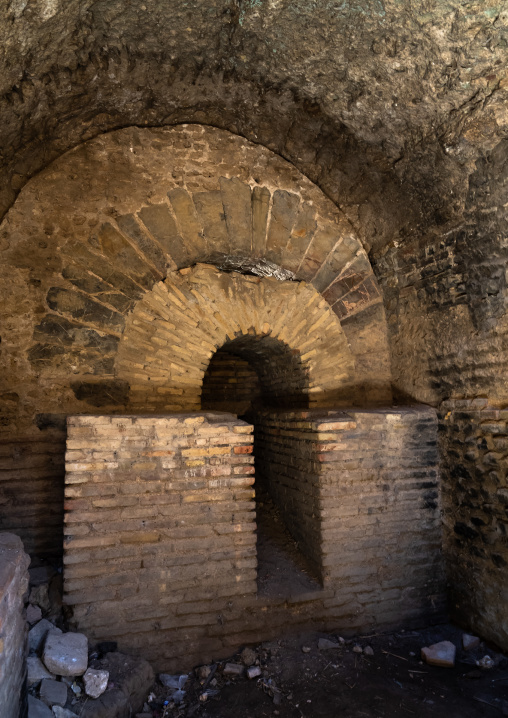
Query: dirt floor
[296,682]
[283,570]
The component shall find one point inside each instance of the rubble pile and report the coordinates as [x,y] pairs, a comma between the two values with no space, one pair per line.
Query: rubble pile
[66,677]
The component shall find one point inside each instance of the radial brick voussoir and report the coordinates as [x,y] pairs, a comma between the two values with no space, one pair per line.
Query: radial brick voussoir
[175,330]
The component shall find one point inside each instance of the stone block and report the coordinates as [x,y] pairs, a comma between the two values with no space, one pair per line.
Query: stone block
[60,712]
[470,642]
[37,634]
[36,671]
[33,614]
[38,709]
[440,654]
[66,654]
[53,693]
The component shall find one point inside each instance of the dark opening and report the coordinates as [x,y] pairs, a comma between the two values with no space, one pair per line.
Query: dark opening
[244,377]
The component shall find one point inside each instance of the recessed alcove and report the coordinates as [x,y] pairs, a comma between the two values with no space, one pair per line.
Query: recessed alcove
[247,376]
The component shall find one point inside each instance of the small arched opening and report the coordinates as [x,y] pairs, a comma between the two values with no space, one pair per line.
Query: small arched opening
[249,376]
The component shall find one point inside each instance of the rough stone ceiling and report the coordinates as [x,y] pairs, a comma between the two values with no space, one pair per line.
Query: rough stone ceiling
[386,104]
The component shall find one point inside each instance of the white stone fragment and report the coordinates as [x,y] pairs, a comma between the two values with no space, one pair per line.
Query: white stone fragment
[486,662]
[96,682]
[253,672]
[66,654]
[440,654]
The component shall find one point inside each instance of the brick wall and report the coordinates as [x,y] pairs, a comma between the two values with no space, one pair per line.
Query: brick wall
[160,548]
[13,631]
[159,533]
[230,384]
[362,484]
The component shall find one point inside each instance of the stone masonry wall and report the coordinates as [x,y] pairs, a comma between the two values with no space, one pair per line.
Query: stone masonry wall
[362,484]
[446,299]
[13,628]
[160,548]
[475,502]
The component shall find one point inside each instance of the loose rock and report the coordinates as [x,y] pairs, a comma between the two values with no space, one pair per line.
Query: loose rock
[486,662]
[469,642]
[357,649]
[66,654]
[96,682]
[253,672]
[53,693]
[204,672]
[368,651]
[36,671]
[277,697]
[38,709]
[440,654]
[37,634]
[306,649]
[233,669]
[39,595]
[59,712]
[33,614]
[324,644]
[248,656]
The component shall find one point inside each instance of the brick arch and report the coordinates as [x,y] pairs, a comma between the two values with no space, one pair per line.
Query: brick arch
[90,236]
[175,329]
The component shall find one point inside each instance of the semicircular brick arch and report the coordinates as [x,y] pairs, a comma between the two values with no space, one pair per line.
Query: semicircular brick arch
[175,329]
[91,235]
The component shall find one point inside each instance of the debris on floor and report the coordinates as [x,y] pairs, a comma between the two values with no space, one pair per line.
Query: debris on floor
[319,676]
[440,654]
[427,673]
[66,677]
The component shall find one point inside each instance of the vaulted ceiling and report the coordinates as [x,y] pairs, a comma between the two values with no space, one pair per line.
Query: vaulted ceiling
[387,105]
